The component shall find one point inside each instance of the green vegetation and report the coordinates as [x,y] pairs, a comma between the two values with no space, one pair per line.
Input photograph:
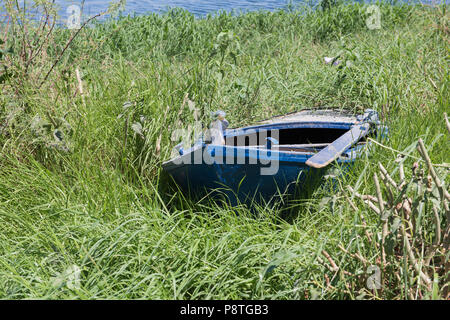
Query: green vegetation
[81,185]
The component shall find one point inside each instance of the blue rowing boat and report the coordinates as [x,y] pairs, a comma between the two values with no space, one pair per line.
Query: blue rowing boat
[271,158]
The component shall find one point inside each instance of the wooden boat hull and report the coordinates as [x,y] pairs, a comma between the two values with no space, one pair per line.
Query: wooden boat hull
[242,182]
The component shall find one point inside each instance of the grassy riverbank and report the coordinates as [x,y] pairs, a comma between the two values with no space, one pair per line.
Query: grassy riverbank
[81,188]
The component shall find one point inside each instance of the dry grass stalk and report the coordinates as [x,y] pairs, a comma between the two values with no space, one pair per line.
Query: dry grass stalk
[412,253]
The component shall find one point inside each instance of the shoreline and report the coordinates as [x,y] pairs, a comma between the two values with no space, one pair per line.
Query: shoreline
[300,8]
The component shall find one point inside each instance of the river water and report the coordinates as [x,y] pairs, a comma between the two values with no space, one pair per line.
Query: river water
[197,7]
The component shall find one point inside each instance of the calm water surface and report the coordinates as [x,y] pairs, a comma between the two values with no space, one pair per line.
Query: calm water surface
[197,7]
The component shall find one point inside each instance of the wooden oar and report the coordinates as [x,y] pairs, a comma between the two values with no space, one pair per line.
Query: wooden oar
[336,148]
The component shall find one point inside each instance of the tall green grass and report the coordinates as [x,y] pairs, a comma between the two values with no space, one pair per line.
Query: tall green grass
[102,203]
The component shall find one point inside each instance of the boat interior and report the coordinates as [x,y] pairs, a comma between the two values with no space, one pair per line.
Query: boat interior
[307,139]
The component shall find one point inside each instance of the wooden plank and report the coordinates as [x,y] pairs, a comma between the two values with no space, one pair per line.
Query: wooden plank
[295,146]
[337,147]
[305,145]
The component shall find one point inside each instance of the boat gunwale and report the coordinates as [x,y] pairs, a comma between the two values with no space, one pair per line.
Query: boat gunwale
[287,157]
[234,132]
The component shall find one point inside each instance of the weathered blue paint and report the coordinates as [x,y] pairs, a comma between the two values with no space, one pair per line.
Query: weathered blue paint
[242,180]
